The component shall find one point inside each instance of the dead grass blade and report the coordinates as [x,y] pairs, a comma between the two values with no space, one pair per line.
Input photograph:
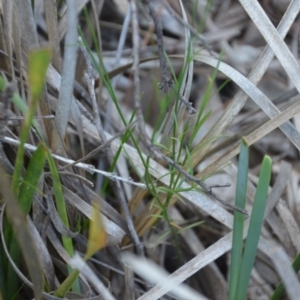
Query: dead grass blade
[256,74]
[255,94]
[252,138]
[215,283]
[187,78]
[44,253]
[23,235]
[114,233]
[223,245]
[78,263]
[7,30]
[156,170]
[290,223]
[155,274]
[67,81]
[283,266]
[274,40]
[52,23]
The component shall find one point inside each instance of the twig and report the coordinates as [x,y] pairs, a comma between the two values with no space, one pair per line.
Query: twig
[220,185]
[89,168]
[166,81]
[35,117]
[108,110]
[65,173]
[141,123]
[187,25]
[190,108]
[129,282]
[99,148]
[90,78]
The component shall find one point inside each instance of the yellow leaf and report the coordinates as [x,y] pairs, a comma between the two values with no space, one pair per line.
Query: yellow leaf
[38,61]
[97,234]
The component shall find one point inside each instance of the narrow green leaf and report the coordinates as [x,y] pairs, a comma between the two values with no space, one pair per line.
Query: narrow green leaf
[190,226]
[65,287]
[38,61]
[12,277]
[23,236]
[97,239]
[3,277]
[59,197]
[197,127]
[255,225]
[22,106]
[205,100]
[37,65]
[279,291]
[238,224]
[3,84]
[62,212]
[27,191]
[31,179]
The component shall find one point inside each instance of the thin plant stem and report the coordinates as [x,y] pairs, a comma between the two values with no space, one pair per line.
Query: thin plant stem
[141,123]
[90,78]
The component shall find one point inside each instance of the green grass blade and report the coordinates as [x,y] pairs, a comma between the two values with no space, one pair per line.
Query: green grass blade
[11,276]
[62,212]
[24,238]
[38,61]
[3,261]
[31,179]
[65,287]
[37,66]
[3,269]
[27,191]
[207,95]
[3,84]
[255,225]
[22,106]
[238,224]
[116,156]
[97,240]
[279,291]
[197,127]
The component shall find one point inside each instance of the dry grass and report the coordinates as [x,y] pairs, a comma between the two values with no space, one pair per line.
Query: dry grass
[123,136]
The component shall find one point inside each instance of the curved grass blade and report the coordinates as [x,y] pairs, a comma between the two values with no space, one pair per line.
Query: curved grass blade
[64,288]
[255,225]
[238,223]
[250,89]
[279,291]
